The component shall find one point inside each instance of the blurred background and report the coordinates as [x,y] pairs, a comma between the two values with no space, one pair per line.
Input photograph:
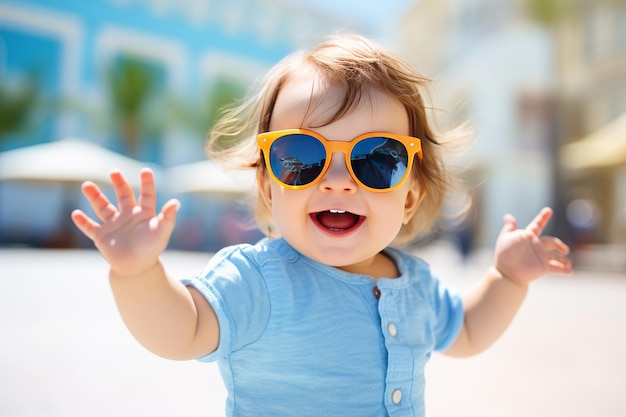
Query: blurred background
[90,86]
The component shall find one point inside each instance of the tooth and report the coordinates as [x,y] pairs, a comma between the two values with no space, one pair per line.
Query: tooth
[337,211]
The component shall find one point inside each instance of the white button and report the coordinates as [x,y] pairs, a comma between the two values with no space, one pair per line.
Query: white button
[396,396]
[393,331]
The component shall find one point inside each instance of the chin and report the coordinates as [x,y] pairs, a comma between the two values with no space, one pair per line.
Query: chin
[339,257]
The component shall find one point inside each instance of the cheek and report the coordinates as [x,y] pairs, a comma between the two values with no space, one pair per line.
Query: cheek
[394,213]
[390,213]
[286,206]
[398,220]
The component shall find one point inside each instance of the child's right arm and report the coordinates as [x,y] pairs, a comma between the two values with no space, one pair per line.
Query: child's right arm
[169,319]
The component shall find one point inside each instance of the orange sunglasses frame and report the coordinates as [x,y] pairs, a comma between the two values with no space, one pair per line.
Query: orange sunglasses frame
[412,145]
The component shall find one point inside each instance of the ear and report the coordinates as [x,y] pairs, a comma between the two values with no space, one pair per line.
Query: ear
[414,197]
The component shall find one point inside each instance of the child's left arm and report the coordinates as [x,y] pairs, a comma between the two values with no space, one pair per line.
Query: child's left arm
[521,256]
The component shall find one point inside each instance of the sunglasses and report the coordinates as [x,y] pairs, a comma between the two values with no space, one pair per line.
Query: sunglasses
[376,161]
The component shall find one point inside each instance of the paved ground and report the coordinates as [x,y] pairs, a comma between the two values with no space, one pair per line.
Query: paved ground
[65,352]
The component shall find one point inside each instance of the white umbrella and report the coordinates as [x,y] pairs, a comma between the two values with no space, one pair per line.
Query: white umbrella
[207,177]
[212,196]
[68,161]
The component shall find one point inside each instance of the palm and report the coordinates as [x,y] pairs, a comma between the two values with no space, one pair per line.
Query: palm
[132,235]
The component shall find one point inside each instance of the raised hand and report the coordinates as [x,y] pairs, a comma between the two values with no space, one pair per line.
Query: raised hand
[131,236]
[523,255]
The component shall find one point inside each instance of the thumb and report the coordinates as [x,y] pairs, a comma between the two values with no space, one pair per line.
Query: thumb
[510,224]
[167,216]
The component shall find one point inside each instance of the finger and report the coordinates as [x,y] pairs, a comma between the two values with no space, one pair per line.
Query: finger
[85,224]
[540,221]
[556,254]
[147,193]
[99,202]
[554,244]
[510,224]
[560,265]
[123,191]
[167,216]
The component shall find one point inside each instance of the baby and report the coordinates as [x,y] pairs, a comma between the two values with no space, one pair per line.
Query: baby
[325,316]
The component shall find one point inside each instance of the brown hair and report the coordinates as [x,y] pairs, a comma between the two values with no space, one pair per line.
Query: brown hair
[357,65]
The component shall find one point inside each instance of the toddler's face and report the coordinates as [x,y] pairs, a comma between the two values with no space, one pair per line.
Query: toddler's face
[335,221]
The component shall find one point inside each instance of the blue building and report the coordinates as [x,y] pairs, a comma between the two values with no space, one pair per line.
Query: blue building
[190,48]
[141,77]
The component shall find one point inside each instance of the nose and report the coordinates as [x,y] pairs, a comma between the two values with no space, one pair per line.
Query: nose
[337,177]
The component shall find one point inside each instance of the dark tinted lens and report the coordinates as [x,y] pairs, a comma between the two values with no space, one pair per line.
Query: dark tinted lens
[297,159]
[379,162]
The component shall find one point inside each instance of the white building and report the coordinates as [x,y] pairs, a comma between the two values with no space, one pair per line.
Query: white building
[496,70]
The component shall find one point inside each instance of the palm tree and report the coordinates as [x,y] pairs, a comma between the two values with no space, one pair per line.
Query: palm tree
[17,104]
[131,85]
[199,116]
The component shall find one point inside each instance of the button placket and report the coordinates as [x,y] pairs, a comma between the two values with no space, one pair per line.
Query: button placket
[399,356]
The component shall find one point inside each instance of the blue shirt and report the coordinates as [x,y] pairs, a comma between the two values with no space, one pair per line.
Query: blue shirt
[300,338]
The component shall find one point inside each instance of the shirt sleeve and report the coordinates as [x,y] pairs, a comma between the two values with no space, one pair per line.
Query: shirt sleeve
[448,307]
[234,287]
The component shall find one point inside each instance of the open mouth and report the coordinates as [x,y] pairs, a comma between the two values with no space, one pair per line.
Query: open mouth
[337,221]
